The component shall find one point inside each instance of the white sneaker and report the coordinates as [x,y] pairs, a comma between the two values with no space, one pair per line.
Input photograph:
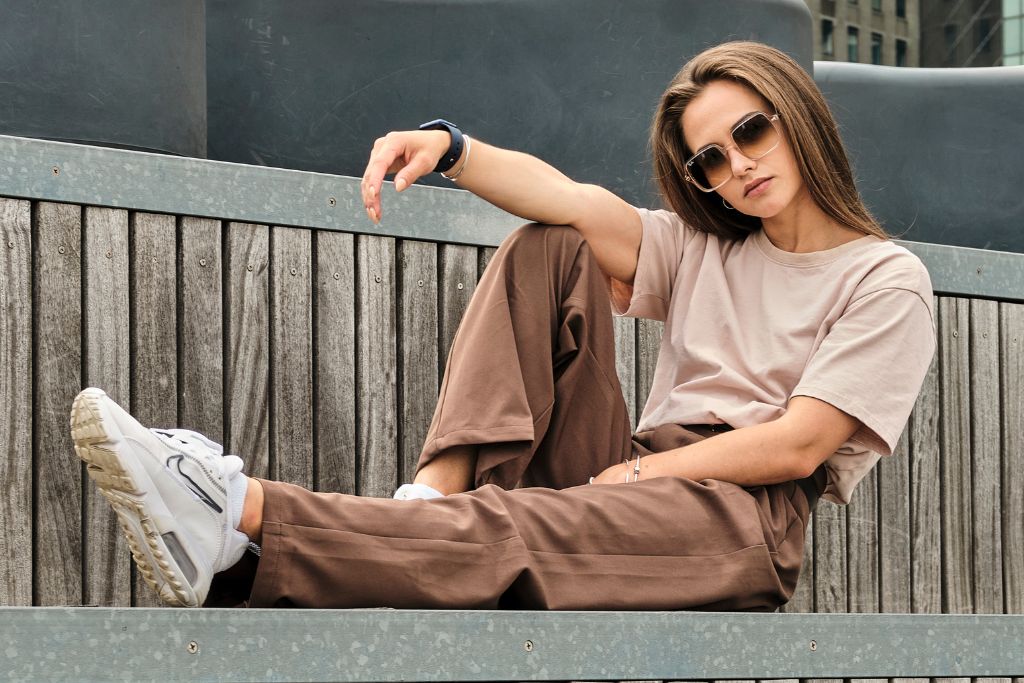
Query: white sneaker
[416,492]
[169,490]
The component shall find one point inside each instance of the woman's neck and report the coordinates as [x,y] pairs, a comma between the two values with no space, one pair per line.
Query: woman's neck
[802,227]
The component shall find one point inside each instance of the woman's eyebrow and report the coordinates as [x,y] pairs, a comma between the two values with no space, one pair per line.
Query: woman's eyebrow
[735,123]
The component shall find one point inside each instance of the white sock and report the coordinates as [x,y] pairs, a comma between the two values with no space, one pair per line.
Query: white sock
[417,491]
[237,485]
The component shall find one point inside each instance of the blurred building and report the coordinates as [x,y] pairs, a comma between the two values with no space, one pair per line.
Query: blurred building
[1013,54]
[958,33]
[869,31]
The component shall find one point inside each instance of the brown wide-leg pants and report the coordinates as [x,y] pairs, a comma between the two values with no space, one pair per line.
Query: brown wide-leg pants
[531,383]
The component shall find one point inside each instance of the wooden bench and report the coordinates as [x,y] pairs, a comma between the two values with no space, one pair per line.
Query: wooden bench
[261,307]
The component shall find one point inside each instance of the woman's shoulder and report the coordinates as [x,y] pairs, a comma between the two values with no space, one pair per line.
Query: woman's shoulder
[884,264]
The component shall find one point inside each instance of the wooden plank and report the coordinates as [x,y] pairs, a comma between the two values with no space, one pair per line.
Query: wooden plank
[417,341]
[648,341]
[894,528]
[624,330]
[154,337]
[291,356]
[201,350]
[830,568]
[16,397]
[986,492]
[248,346]
[58,368]
[925,485]
[456,286]
[957,525]
[1012,381]
[376,390]
[862,537]
[335,411]
[107,366]
[484,256]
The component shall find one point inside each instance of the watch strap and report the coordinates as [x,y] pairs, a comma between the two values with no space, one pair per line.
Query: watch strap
[454,149]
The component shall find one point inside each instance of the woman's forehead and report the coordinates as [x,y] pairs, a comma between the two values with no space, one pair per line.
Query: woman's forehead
[711,115]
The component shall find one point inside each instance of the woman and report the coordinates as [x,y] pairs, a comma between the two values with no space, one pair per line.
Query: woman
[796,340]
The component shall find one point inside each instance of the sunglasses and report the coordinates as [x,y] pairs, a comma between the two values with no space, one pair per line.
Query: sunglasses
[754,137]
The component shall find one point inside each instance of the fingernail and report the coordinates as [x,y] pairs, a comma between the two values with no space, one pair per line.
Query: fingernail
[369,212]
[373,216]
[400,184]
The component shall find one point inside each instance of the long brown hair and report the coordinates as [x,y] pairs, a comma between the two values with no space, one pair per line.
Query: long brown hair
[805,119]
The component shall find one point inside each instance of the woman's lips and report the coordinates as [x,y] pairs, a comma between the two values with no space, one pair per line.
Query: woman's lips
[759,188]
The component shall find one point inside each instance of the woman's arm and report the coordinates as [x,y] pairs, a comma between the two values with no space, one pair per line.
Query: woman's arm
[788,448]
[518,183]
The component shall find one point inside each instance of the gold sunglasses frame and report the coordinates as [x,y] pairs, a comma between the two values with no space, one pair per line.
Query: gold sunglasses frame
[725,150]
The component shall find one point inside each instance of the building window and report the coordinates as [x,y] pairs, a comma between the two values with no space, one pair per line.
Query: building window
[901,9]
[876,6]
[984,41]
[901,52]
[852,44]
[876,48]
[827,44]
[949,31]
[1011,36]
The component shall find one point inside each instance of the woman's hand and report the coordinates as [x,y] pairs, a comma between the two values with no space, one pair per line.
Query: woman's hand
[409,154]
[616,474]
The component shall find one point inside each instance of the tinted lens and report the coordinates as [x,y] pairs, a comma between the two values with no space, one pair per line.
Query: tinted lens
[755,137]
[710,168]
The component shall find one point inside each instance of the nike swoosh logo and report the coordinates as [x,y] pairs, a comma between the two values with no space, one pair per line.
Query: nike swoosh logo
[193,486]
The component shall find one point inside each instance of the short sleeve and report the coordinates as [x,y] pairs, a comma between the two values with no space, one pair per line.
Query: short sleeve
[661,250]
[873,361]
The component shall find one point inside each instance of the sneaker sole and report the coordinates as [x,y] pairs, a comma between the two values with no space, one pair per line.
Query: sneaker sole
[124,486]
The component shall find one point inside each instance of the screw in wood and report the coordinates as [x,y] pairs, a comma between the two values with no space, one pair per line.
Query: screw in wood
[202,262]
[193,647]
[528,646]
[814,646]
[332,201]
[56,170]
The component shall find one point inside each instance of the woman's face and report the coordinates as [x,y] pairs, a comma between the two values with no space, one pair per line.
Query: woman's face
[764,187]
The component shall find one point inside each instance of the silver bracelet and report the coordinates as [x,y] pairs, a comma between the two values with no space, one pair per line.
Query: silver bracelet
[469,146]
[636,469]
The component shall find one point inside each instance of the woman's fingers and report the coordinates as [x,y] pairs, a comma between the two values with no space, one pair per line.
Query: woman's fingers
[386,152]
[408,154]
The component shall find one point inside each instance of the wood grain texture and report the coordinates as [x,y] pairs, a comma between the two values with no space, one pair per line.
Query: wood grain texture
[107,366]
[248,355]
[894,528]
[862,546]
[418,344]
[58,368]
[625,362]
[154,337]
[458,265]
[830,567]
[335,363]
[1012,381]
[986,491]
[376,376]
[925,485]
[16,398]
[201,348]
[957,524]
[803,596]
[291,356]
[484,256]
[648,341]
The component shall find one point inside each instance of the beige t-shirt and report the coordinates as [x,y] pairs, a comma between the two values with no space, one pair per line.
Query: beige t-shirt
[748,325]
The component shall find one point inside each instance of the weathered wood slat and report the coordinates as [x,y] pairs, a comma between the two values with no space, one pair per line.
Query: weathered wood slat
[648,341]
[862,546]
[456,286]
[154,335]
[803,596]
[957,526]
[335,363]
[291,356]
[894,528]
[624,330]
[417,339]
[925,512]
[376,389]
[1011,327]
[248,355]
[830,568]
[16,395]
[107,360]
[201,352]
[986,492]
[58,367]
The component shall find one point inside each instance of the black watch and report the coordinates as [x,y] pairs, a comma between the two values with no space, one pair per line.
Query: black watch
[454,149]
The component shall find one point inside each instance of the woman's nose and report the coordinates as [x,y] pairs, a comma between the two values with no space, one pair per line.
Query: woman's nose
[739,163]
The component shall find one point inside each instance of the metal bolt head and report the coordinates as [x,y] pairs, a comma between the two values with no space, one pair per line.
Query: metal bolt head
[528,646]
[376,278]
[61,250]
[419,283]
[56,170]
[459,286]
[192,647]
[337,276]
[202,262]
[10,245]
[332,201]
[110,254]
[814,646]
[249,268]
[294,271]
